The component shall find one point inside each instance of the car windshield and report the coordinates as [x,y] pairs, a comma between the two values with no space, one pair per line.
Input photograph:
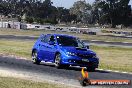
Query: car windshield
[69,41]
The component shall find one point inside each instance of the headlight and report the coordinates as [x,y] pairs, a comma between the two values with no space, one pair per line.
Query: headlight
[95,56]
[71,54]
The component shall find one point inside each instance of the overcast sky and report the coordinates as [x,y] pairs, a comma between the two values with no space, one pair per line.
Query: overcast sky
[69,3]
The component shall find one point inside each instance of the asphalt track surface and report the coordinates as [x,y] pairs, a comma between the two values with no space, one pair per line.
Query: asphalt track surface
[86,41]
[67,76]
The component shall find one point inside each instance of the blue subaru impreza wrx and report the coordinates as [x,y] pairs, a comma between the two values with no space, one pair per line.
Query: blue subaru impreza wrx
[63,51]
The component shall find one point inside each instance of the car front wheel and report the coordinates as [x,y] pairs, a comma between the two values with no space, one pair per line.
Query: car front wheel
[91,69]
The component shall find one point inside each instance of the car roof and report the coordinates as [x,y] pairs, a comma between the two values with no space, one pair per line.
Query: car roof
[62,35]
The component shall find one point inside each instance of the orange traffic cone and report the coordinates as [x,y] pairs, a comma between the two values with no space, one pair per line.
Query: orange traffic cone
[84,80]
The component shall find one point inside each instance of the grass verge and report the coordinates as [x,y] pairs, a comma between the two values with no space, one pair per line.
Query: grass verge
[7,82]
[113,58]
[16,47]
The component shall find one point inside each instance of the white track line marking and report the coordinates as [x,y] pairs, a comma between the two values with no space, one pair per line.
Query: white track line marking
[115,71]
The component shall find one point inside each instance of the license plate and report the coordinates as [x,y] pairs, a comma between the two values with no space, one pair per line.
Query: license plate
[85,60]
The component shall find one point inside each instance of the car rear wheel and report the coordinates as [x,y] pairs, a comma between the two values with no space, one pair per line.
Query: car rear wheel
[35,57]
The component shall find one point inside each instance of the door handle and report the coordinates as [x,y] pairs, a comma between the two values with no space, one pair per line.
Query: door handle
[44,46]
[47,47]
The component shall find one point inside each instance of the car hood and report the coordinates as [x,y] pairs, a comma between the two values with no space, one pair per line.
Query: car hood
[77,50]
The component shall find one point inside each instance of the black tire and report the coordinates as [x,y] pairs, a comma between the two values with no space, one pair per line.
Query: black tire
[65,66]
[91,69]
[35,57]
[58,61]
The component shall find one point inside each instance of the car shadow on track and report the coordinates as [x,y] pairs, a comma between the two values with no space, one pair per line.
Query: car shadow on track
[74,68]
[79,69]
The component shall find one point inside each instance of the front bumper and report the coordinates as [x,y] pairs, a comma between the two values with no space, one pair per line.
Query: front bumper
[78,61]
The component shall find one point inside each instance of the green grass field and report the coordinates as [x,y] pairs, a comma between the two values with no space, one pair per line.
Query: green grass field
[7,82]
[16,47]
[114,58]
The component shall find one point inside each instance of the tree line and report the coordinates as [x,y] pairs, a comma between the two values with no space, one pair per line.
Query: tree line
[113,12]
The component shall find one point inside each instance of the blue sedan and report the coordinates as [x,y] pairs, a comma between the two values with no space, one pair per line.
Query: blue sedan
[63,51]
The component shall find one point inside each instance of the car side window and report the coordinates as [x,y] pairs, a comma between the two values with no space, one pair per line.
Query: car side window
[45,39]
[42,38]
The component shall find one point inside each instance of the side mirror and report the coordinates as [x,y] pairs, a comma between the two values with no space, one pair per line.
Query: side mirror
[51,42]
[87,47]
